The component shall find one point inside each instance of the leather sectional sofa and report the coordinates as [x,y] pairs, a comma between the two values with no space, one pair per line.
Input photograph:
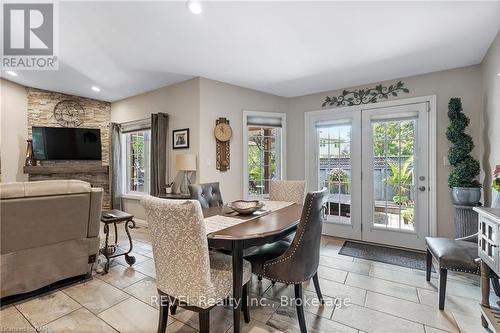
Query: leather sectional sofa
[49,232]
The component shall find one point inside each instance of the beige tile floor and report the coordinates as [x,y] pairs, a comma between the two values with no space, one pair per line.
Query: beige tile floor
[381,298]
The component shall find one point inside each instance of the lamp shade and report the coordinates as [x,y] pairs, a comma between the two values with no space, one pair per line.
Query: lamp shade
[186,162]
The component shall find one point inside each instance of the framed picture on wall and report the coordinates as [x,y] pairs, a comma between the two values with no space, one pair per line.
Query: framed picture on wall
[180,138]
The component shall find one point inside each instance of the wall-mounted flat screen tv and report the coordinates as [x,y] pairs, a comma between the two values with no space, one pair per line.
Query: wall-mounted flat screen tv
[63,143]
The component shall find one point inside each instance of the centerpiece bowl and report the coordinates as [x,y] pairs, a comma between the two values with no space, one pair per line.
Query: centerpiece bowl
[246,207]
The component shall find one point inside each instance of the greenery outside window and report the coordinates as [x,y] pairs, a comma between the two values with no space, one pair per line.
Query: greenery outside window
[263,152]
[137,159]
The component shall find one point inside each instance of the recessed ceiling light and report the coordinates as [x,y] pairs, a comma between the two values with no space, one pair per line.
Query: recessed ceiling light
[498,74]
[11,73]
[94,88]
[194,7]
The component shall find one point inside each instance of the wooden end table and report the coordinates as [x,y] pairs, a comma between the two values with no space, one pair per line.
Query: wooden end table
[113,251]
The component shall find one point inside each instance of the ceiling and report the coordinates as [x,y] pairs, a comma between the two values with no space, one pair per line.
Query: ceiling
[283,48]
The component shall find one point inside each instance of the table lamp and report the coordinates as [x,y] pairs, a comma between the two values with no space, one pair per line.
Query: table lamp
[186,163]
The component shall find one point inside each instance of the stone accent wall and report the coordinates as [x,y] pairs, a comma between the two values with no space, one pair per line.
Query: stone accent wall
[41,104]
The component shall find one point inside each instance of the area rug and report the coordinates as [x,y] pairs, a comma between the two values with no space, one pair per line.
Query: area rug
[399,257]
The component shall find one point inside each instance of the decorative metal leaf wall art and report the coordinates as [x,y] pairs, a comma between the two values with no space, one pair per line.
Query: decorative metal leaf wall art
[365,96]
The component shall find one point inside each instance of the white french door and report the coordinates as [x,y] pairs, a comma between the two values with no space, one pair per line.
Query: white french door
[338,167]
[375,164]
[395,175]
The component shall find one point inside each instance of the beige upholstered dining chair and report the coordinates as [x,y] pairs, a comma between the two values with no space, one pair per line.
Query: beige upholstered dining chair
[187,273]
[287,190]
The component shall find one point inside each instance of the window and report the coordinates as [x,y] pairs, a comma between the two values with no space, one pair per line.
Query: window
[264,151]
[137,157]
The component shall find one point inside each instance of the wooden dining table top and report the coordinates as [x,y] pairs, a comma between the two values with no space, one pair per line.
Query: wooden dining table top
[272,223]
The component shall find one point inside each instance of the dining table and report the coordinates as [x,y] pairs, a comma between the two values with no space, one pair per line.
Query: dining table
[229,231]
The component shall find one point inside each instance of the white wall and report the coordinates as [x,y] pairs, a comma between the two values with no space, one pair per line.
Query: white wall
[463,82]
[182,103]
[196,104]
[14,130]
[491,131]
[218,99]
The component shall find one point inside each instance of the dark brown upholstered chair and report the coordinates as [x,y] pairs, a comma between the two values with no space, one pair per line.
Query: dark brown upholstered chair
[207,194]
[457,255]
[297,262]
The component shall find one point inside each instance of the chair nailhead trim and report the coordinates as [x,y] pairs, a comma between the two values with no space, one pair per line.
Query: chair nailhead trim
[276,279]
[477,271]
[274,262]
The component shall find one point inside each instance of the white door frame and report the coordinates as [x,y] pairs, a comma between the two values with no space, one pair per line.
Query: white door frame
[310,117]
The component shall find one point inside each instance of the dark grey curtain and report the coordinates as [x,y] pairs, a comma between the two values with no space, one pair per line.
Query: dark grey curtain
[116,167]
[159,149]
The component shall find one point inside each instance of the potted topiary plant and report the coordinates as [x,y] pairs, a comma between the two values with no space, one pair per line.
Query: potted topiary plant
[466,190]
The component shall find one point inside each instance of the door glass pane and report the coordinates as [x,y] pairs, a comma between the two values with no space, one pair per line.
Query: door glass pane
[393,174]
[335,170]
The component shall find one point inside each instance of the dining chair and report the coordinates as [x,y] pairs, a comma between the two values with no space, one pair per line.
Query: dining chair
[208,194]
[290,191]
[299,261]
[459,255]
[287,190]
[187,273]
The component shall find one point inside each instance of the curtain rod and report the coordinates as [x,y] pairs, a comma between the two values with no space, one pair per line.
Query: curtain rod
[135,121]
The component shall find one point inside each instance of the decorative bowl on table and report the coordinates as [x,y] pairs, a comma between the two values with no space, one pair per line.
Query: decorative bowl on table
[245,207]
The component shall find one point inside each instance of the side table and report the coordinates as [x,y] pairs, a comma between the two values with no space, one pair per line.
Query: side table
[113,251]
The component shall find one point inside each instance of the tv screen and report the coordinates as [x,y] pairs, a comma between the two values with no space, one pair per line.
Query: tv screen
[61,143]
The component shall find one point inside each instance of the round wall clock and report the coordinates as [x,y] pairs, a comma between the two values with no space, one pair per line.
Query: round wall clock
[223,132]
[69,113]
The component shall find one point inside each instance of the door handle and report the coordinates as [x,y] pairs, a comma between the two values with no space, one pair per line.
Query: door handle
[421,188]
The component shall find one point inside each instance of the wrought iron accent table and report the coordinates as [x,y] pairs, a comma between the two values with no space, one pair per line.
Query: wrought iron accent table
[113,251]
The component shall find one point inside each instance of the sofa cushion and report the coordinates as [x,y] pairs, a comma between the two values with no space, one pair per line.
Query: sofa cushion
[37,221]
[11,190]
[55,187]
[43,188]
